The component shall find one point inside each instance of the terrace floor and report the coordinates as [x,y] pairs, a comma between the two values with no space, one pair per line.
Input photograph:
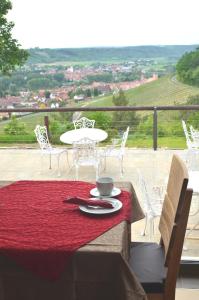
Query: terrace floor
[26,164]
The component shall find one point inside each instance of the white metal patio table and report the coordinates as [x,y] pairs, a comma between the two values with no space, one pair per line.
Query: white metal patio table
[75,135]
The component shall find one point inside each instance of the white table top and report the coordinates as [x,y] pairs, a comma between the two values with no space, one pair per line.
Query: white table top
[75,135]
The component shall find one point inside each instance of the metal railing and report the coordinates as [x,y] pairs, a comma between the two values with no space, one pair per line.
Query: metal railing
[153,109]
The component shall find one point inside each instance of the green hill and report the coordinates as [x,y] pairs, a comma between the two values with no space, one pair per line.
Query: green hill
[107,54]
[164,91]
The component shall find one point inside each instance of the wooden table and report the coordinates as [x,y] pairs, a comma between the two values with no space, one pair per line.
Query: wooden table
[97,271]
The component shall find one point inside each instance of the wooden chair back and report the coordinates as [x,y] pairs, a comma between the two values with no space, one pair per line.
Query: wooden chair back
[157,266]
[174,197]
[176,246]
[175,251]
[173,222]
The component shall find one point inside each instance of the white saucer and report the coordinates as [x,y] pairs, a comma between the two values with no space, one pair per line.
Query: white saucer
[115,192]
[96,210]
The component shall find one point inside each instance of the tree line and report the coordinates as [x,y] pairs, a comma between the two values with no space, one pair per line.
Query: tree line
[188,68]
[11,54]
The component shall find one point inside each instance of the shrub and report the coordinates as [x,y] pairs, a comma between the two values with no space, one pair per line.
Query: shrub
[102,119]
[57,128]
[15,127]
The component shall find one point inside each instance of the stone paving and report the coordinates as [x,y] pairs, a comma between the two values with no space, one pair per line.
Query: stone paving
[26,164]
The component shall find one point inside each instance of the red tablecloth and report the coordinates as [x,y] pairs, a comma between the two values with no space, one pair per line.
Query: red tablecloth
[40,232]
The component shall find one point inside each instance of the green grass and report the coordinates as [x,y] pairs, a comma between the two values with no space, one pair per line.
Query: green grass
[101,101]
[20,139]
[147,142]
[163,142]
[30,121]
[172,142]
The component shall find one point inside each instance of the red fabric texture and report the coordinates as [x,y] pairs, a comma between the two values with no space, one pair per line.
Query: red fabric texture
[40,232]
[87,201]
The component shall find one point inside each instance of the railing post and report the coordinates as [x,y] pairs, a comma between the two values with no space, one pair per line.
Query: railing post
[155,129]
[46,123]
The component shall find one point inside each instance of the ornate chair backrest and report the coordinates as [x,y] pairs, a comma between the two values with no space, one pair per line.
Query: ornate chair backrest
[188,140]
[124,138]
[194,134]
[84,123]
[84,150]
[42,137]
[147,197]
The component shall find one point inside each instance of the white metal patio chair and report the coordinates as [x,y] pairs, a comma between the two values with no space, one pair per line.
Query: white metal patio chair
[195,135]
[46,148]
[85,154]
[152,201]
[194,211]
[189,139]
[117,150]
[84,123]
[192,145]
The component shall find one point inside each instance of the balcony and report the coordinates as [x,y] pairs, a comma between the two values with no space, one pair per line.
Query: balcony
[21,160]
[25,164]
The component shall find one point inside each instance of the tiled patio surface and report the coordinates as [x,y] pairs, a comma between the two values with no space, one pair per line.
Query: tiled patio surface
[20,164]
[184,294]
[26,164]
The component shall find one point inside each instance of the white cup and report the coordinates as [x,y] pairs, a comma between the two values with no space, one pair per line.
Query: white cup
[104,185]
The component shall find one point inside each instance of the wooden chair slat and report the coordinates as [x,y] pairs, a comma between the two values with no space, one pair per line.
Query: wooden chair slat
[178,173]
[160,284]
[167,221]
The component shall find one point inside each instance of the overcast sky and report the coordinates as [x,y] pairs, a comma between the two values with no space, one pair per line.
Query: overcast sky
[85,23]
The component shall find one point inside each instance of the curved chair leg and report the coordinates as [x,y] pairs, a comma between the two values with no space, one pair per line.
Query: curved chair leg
[76,172]
[50,157]
[185,248]
[151,228]
[121,167]
[104,163]
[42,163]
[97,171]
[191,229]
[58,165]
[150,223]
[67,158]
[143,233]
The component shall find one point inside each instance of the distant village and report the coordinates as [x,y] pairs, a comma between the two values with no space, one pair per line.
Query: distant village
[66,94]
